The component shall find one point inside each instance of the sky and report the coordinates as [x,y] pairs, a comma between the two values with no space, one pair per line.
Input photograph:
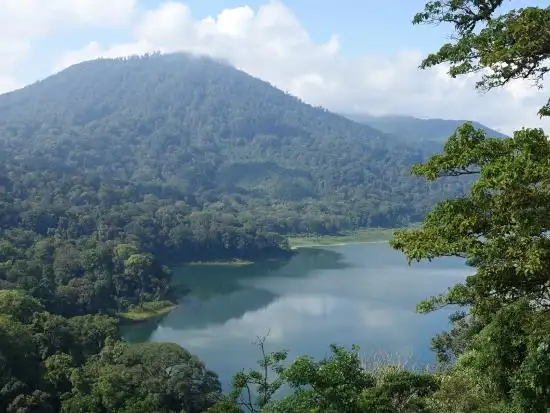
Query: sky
[347,55]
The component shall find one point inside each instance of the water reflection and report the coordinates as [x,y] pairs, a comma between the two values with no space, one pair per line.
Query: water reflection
[360,294]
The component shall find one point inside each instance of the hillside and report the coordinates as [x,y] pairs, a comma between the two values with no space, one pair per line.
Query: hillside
[415,129]
[212,136]
[113,168]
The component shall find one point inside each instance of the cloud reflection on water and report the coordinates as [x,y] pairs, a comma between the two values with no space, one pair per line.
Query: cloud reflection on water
[362,295]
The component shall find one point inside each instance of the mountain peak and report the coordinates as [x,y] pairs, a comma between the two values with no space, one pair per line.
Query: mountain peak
[192,128]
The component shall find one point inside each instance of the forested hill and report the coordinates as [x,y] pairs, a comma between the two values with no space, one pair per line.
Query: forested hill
[215,138]
[418,130]
[112,168]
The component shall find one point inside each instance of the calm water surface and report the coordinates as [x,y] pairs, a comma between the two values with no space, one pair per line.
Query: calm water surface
[361,294]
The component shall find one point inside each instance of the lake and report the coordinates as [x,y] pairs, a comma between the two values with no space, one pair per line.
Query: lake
[361,294]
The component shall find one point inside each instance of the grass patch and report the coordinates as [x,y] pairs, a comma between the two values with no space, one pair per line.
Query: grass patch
[235,262]
[147,311]
[352,237]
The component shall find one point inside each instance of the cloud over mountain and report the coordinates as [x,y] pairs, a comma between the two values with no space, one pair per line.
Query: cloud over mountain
[268,42]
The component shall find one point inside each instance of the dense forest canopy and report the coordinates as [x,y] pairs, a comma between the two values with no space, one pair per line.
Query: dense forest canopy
[193,130]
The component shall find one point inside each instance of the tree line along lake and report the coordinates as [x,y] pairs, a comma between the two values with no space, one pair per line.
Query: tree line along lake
[361,293]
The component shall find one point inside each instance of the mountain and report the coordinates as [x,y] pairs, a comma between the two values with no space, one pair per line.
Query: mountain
[415,129]
[111,169]
[193,129]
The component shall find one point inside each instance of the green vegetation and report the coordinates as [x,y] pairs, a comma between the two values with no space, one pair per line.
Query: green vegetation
[351,237]
[235,262]
[502,48]
[500,343]
[114,169]
[227,151]
[49,363]
[147,310]
[338,383]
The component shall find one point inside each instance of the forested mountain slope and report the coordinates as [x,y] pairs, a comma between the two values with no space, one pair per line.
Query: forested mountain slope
[418,130]
[198,131]
[113,168]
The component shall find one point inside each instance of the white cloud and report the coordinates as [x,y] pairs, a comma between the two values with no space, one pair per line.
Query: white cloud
[22,22]
[269,42]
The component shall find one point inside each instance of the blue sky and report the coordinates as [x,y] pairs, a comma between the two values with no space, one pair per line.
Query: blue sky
[362,26]
[350,55]
[367,25]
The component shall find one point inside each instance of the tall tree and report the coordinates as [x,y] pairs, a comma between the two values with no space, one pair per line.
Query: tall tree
[500,227]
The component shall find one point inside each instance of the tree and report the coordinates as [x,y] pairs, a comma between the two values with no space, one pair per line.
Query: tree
[58,370]
[20,368]
[19,305]
[506,47]
[500,227]
[152,377]
[36,402]
[263,383]
[337,383]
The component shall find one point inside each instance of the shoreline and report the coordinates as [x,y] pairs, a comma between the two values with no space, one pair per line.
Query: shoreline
[364,236]
[337,244]
[232,263]
[157,309]
[142,315]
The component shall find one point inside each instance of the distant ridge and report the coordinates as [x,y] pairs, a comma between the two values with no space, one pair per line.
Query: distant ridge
[415,129]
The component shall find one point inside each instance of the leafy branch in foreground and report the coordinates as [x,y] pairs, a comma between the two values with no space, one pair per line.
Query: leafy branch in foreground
[254,390]
[499,346]
[514,45]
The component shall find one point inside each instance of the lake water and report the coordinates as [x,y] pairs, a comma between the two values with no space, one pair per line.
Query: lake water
[361,294]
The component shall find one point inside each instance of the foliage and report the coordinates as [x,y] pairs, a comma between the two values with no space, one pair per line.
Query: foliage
[339,383]
[19,305]
[147,377]
[501,229]
[506,47]
[147,310]
[57,364]
[229,145]
[112,169]
[359,236]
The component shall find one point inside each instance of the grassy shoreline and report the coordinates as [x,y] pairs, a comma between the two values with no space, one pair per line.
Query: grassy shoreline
[147,311]
[364,236]
[235,262]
